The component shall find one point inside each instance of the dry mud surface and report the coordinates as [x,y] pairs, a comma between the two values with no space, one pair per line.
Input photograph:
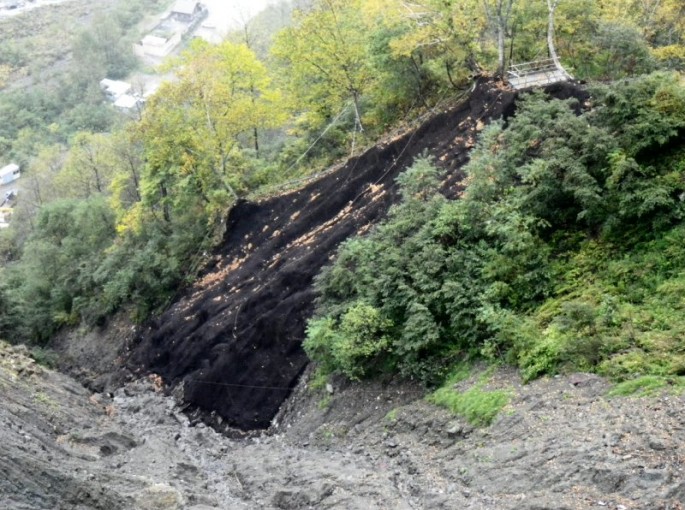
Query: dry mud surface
[560,444]
[232,342]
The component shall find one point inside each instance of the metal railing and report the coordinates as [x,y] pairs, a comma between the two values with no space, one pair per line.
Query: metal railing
[535,74]
[538,66]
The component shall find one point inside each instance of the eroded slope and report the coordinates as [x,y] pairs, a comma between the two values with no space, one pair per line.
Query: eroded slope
[232,343]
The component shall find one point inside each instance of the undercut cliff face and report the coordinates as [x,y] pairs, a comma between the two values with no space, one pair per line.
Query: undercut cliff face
[232,341]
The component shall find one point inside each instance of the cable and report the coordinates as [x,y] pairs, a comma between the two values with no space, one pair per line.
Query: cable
[318,139]
[288,388]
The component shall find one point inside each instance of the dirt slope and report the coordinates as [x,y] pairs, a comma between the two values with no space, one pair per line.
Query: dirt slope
[232,343]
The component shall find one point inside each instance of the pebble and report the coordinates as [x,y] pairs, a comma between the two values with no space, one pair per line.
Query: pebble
[657,444]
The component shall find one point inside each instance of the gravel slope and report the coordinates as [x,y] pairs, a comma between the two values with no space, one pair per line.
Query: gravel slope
[560,444]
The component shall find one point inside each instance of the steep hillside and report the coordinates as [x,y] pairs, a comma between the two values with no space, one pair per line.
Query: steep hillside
[232,342]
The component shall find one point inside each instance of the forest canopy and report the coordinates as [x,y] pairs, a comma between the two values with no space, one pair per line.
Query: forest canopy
[564,252]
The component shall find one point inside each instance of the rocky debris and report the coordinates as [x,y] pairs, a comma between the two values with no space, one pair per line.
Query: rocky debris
[69,449]
[233,339]
[559,444]
[94,356]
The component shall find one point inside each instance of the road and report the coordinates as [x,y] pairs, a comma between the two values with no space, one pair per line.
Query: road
[229,14]
[13,7]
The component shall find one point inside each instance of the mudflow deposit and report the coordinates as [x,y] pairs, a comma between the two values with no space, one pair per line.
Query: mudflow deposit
[208,406]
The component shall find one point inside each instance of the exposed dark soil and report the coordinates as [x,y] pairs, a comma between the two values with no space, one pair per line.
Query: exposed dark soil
[231,345]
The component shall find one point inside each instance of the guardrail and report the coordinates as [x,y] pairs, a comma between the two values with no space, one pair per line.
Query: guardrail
[526,68]
[535,74]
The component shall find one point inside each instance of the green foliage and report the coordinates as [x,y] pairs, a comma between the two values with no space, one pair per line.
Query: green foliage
[399,273]
[478,406]
[318,380]
[44,357]
[647,385]
[143,202]
[391,417]
[196,162]
[54,282]
[104,48]
[325,57]
[59,96]
[498,274]
[142,270]
[621,51]
[355,346]
[564,252]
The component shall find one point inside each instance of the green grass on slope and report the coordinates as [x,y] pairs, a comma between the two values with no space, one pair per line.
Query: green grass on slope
[648,385]
[620,314]
[478,406]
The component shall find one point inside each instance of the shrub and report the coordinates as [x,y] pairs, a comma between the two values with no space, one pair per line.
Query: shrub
[355,347]
[564,252]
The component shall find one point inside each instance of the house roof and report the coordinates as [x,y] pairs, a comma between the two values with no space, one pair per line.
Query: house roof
[184,6]
[11,168]
[115,88]
[154,40]
[126,102]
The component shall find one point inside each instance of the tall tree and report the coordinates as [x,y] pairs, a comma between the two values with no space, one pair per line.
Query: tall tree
[89,168]
[498,15]
[325,56]
[194,130]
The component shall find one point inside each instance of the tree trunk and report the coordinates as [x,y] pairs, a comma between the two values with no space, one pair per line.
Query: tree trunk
[500,49]
[500,20]
[512,38]
[449,74]
[136,180]
[552,7]
[255,135]
[165,206]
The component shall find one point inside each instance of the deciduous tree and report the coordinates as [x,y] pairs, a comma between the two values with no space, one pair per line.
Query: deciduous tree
[326,59]
[195,129]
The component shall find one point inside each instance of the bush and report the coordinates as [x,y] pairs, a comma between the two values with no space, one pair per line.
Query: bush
[564,253]
[355,347]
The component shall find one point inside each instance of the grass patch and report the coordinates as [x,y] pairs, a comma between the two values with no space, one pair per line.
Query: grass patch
[318,380]
[44,357]
[648,385]
[391,416]
[478,406]
[325,402]
[461,372]
[43,398]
